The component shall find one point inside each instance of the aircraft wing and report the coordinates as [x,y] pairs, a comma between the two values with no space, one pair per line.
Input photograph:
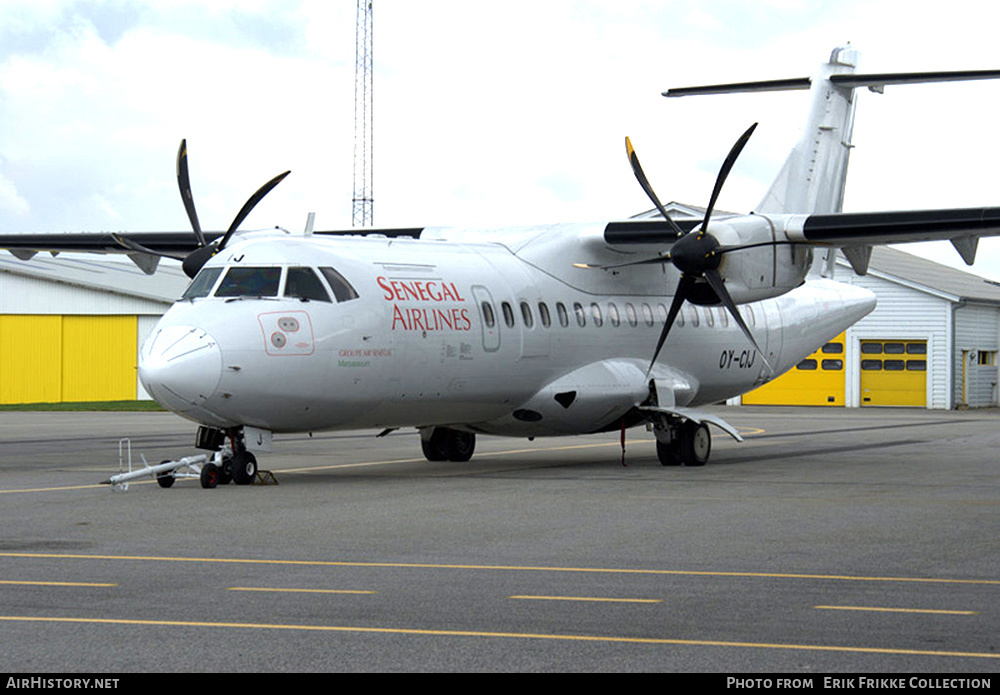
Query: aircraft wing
[853,232]
[144,248]
[856,232]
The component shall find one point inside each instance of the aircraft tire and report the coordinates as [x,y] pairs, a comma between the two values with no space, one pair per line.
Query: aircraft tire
[432,450]
[695,443]
[459,446]
[447,444]
[667,454]
[165,480]
[209,476]
[243,468]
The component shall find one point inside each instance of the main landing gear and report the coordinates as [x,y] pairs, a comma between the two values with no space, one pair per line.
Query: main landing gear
[445,444]
[682,442]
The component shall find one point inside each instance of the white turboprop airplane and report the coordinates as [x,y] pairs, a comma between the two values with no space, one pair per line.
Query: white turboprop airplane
[528,331]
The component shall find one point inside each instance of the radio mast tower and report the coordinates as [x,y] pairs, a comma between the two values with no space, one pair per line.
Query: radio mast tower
[364,204]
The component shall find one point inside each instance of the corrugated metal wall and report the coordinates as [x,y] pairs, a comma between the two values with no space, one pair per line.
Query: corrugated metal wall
[975,356]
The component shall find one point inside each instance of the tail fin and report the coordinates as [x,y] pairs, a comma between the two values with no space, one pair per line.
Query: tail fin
[814,175]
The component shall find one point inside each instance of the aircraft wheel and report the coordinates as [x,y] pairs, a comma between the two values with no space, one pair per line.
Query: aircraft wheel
[667,454]
[449,445]
[459,446]
[226,471]
[209,476]
[695,443]
[165,480]
[432,448]
[243,468]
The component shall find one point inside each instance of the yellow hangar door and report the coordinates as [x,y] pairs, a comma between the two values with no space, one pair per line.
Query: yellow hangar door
[51,359]
[894,372]
[99,358]
[817,380]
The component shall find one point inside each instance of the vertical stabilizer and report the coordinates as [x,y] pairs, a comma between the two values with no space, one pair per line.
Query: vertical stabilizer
[813,178]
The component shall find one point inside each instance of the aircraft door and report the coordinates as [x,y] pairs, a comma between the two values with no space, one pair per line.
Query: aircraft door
[489,318]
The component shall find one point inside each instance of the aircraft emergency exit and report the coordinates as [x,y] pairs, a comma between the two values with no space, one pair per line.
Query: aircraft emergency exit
[527,331]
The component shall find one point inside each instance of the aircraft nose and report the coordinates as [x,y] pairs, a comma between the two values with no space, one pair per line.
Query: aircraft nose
[180,366]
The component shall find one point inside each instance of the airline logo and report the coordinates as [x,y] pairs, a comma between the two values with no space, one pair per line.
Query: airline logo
[426,305]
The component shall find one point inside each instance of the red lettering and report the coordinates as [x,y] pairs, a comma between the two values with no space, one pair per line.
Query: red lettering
[383,283]
[397,318]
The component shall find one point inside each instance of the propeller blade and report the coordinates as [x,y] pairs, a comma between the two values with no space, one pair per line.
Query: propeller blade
[718,285]
[249,205]
[633,159]
[683,287]
[184,183]
[727,166]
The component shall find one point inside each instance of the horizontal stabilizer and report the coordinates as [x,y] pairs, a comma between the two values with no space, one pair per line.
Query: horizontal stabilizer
[737,87]
[874,81]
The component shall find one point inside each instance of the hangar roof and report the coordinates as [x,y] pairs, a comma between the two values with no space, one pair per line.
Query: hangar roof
[945,281]
[96,272]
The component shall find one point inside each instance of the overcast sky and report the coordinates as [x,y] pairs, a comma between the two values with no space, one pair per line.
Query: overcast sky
[485,113]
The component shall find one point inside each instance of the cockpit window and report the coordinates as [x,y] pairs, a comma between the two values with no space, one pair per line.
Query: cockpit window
[202,284]
[342,289]
[303,283]
[250,282]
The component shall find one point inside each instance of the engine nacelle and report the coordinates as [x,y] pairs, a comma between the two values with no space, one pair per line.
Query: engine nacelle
[768,267]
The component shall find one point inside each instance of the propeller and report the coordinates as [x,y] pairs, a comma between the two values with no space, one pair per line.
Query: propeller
[194,261]
[697,254]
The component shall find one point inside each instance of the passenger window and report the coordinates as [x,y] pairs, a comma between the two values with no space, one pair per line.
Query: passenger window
[709,316]
[633,320]
[613,314]
[543,312]
[693,315]
[488,316]
[595,311]
[250,282]
[342,289]
[563,314]
[508,314]
[202,284]
[647,314]
[304,284]
[529,320]
[581,314]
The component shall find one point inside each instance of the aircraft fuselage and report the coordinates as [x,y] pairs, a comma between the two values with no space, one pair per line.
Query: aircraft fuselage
[500,336]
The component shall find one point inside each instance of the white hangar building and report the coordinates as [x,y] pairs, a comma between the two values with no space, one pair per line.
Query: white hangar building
[71,327]
[931,342]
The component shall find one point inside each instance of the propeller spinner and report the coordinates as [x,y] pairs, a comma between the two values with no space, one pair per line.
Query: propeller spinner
[698,253]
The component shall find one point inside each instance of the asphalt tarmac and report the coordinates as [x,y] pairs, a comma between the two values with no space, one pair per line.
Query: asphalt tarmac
[829,541]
